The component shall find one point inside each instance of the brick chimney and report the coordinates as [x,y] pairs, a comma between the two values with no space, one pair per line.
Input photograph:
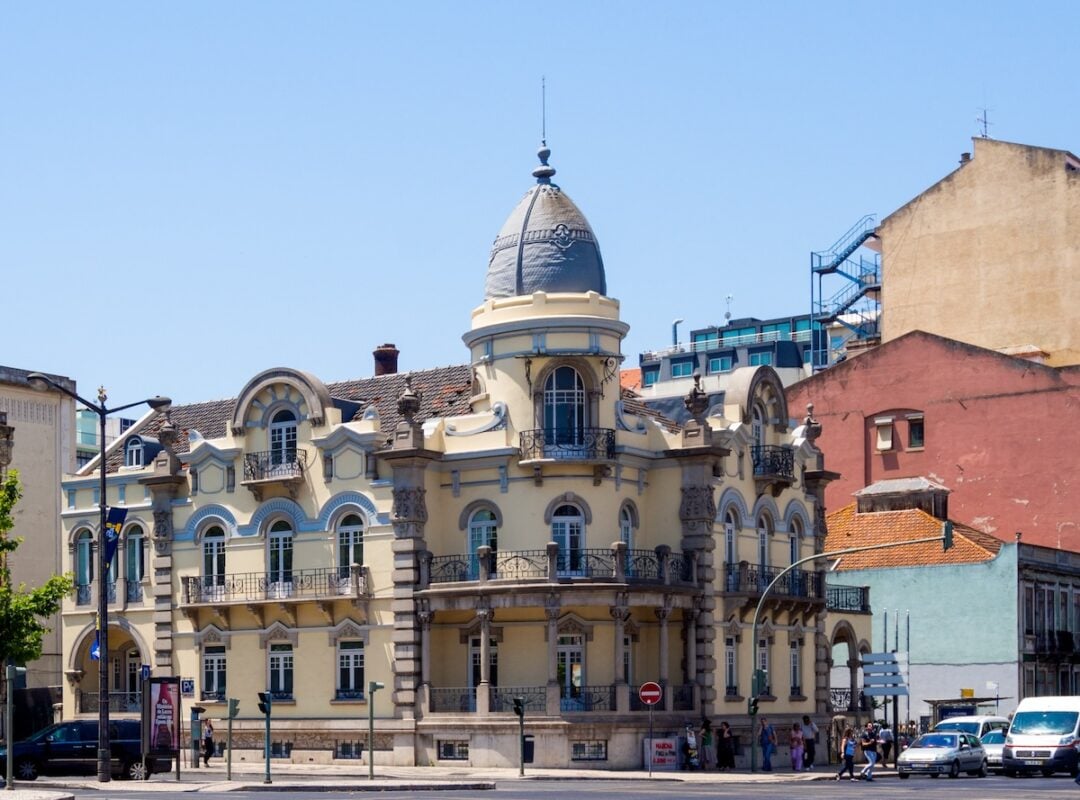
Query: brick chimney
[386,359]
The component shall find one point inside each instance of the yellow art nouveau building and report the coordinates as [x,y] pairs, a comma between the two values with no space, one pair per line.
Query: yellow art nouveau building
[513,527]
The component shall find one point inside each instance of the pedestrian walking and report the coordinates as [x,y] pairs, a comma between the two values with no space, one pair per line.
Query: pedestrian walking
[767,738]
[795,745]
[869,742]
[708,746]
[885,736]
[208,741]
[725,747]
[847,755]
[810,736]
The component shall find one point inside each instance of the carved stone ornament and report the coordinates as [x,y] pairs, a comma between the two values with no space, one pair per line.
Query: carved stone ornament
[812,426]
[409,505]
[162,524]
[697,503]
[168,435]
[697,401]
[409,402]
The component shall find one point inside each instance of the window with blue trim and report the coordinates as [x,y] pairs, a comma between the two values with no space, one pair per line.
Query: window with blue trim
[133,453]
[760,359]
[650,376]
[682,369]
[720,364]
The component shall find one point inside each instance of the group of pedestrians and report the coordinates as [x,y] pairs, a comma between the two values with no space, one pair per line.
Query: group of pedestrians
[717,750]
[802,744]
[870,740]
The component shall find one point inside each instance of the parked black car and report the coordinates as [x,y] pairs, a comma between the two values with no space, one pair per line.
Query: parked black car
[69,748]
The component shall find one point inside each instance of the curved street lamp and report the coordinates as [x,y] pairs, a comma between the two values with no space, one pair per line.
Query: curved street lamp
[41,383]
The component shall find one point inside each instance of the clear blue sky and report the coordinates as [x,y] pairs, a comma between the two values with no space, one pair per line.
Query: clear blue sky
[193,192]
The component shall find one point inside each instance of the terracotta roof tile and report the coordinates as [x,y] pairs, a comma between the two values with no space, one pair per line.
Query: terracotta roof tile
[849,528]
[635,406]
[630,378]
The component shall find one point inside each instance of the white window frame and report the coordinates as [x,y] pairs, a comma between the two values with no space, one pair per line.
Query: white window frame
[214,666]
[135,554]
[280,665]
[626,528]
[133,453]
[568,530]
[350,668]
[282,438]
[763,663]
[574,402]
[795,665]
[350,544]
[731,664]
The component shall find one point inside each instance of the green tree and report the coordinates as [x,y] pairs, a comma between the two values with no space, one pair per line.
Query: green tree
[23,612]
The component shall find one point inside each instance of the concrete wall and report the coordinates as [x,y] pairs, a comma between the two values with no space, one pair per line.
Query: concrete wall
[997,238]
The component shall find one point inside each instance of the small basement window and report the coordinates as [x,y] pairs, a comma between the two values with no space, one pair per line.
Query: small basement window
[589,750]
[453,750]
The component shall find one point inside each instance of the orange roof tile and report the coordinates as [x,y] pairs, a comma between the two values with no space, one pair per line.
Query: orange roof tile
[849,528]
[630,378]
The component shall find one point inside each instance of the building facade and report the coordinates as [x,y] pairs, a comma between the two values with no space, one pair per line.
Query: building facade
[513,527]
[42,450]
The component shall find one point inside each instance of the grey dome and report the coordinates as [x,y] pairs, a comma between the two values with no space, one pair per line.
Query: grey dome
[545,245]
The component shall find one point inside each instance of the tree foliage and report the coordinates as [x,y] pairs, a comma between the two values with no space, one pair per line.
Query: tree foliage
[23,612]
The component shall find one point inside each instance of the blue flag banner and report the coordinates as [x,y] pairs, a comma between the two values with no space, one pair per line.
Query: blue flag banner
[113,523]
[95,649]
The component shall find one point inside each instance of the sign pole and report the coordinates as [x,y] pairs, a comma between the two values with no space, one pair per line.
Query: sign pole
[650,693]
[652,746]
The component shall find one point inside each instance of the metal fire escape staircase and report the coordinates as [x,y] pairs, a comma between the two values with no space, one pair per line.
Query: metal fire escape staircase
[856,305]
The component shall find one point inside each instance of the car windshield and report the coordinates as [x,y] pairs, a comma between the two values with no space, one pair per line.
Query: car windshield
[1054,723]
[994,737]
[966,727]
[40,735]
[935,740]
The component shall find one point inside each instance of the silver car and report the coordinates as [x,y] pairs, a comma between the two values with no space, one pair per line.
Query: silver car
[993,743]
[943,753]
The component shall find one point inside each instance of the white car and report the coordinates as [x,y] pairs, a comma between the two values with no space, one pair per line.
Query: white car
[993,743]
[943,753]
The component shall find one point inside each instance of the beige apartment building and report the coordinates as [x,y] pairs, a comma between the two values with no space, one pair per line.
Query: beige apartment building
[512,527]
[989,254]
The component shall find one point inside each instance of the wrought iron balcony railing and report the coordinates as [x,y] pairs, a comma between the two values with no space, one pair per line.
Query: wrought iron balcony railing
[452,698]
[615,564]
[848,598]
[748,579]
[118,701]
[587,698]
[275,465]
[133,591]
[772,460]
[325,583]
[502,698]
[581,444]
[83,594]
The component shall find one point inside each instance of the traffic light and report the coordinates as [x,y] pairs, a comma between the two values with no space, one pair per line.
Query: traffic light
[753,706]
[234,707]
[265,702]
[946,537]
[519,706]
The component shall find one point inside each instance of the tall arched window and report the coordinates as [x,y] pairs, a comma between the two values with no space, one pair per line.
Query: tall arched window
[280,558]
[564,407]
[283,438]
[731,552]
[134,562]
[757,424]
[350,538]
[84,559]
[626,527]
[568,531]
[764,529]
[133,453]
[795,539]
[213,553]
[483,532]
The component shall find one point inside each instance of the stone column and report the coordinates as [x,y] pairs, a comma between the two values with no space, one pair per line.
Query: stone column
[853,665]
[619,614]
[164,485]
[554,703]
[691,653]
[409,517]
[483,691]
[425,617]
[662,614]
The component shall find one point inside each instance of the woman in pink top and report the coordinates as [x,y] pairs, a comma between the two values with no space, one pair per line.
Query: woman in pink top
[797,743]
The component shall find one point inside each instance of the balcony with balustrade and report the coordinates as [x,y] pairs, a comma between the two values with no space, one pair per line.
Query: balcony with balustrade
[774,467]
[578,445]
[285,589]
[269,469]
[744,583]
[853,599]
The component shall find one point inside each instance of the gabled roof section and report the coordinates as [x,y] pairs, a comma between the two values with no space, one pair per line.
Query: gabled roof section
[635,406]
[444,392]
[849,528]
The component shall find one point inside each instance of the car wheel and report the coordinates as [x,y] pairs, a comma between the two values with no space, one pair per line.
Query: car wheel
[904,776]
[981,771]
[954,769]
[26,769]
[135,770]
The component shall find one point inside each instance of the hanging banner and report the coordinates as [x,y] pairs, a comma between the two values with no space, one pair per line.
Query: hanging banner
[113,523]
[161,717]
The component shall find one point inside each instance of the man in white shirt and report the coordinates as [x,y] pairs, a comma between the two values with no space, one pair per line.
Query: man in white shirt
[810,734]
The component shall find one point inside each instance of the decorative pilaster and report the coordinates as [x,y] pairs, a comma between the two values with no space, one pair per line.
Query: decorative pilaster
[551,611]
[620,613]
[662,614]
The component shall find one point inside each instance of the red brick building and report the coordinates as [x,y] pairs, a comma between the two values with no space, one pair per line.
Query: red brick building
[1000,432]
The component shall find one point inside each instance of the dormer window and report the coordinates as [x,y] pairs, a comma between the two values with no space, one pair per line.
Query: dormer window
[283,438]
[133,453]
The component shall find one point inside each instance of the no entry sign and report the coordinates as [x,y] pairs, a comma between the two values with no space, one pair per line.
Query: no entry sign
[650,693]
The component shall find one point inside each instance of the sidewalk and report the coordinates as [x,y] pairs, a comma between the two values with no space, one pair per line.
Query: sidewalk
[249,776]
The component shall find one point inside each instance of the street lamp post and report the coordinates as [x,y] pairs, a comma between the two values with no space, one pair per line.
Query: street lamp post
[40,382]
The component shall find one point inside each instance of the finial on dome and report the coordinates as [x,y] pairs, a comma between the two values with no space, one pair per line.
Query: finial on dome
[544,172]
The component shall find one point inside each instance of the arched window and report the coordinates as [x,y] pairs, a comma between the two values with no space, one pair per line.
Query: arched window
[84,559]
[764,529]
[280,558]
[564,407]
[133,453]
[283,438]
[626,527]
[757,424]
[568,531]
[213,548]
[135,554]
[483,532]
[795,539]
[731,550]
[350,538]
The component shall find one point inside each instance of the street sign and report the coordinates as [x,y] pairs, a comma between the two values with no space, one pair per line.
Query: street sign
[650,693]
[882,676]
[144,671]
[187,687]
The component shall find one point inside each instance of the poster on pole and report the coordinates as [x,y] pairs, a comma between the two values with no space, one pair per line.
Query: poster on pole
[161,717]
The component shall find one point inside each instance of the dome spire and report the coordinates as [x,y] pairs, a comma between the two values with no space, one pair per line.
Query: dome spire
[544,172]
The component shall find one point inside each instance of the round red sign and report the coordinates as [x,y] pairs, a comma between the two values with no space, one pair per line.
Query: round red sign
[650,693]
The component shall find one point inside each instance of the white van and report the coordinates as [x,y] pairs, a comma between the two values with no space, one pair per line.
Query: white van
[1043,736]
[977,726]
